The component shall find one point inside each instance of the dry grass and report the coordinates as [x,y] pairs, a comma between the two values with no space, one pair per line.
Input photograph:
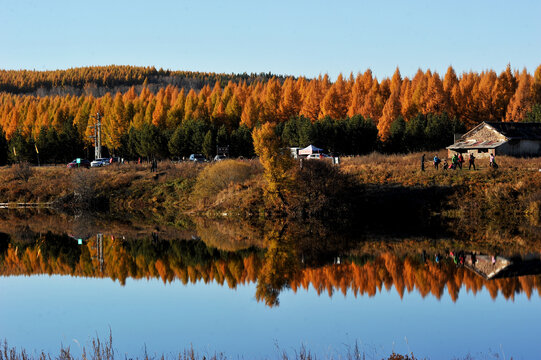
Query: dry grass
[48,183]
[405,170]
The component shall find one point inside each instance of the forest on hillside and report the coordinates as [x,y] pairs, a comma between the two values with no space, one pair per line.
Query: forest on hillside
[167,119]
[99,80]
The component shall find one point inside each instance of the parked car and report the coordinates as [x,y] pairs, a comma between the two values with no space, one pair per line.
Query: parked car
[100,162]
[79,163]
[220,157]
[319,156]
[197,158]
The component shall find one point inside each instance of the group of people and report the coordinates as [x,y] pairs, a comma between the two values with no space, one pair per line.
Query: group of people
[456,162]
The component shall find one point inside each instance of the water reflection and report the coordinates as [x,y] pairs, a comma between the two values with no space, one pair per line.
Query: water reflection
[286,256]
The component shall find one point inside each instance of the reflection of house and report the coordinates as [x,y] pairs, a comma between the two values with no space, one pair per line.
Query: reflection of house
[498,267]
[500,138]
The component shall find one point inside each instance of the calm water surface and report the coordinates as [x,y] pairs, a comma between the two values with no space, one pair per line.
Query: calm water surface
[42,312]
[169,295]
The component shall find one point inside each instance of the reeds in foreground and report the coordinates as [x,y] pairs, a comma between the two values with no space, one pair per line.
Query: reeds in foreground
[105,351]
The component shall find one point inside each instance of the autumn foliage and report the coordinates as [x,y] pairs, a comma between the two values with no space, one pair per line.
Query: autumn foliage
[276,164]
[231,101]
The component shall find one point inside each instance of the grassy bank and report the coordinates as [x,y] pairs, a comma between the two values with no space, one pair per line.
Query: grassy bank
[388,191]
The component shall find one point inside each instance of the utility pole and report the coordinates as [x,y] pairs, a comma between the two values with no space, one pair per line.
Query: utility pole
[97,135]
[99,250]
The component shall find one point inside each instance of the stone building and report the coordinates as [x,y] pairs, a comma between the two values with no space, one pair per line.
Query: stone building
[500,138]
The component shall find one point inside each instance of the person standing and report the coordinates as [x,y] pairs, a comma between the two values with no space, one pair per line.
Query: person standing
[423,162]
[454,161]
[436,162]
[491,160]
[460,160]
[472,162]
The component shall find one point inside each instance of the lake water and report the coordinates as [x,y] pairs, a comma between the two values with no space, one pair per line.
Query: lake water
[167,295]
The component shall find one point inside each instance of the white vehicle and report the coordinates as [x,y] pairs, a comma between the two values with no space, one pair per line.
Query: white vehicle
[100,162]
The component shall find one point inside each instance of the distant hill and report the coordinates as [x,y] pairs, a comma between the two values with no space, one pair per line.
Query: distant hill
[98,80]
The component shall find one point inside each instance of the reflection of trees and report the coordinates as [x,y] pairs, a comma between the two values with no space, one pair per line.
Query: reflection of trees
[283,265]
[228,235]
[280,267]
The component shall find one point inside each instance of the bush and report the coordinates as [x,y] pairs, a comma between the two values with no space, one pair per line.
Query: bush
[323,191]
[85,187]
[22,171]
[217,177]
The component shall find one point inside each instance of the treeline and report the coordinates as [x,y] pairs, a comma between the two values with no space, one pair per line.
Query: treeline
[354,135]
[341,117]
[88,80]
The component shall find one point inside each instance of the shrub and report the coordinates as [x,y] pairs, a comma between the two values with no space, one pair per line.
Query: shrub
[85,187]
[322,190]
[22,171]
[217,177]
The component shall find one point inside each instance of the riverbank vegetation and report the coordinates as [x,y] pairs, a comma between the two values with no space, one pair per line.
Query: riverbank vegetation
[389,190]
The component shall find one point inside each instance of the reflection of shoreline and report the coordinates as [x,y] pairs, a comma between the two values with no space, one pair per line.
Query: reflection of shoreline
[275,255]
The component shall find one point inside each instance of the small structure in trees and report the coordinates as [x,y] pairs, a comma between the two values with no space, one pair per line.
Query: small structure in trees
[310,149]
[500,138]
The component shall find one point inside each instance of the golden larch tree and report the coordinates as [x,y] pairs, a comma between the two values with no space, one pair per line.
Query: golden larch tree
[233,112]
[392,108]
[435,102]
[29,121]
[276,163]
[487,82]
[521,103]
[251,111]
[159,115]
[537,85]
[310,104]
[357,96]
[190,104]
[114,124]
[335,102]
[450,85]
[370,107]
[467,108]
[502,92]
[290,104]
[407,108]
[271,100]
[419,85]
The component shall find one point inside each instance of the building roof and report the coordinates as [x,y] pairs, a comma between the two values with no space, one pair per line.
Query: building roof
[503,267]
[473,144]
[509,130]
[517,130]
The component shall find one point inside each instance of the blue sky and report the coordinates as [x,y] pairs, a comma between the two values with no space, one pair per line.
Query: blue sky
[284,37]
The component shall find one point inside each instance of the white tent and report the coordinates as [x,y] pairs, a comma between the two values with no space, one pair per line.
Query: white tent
[310,149]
